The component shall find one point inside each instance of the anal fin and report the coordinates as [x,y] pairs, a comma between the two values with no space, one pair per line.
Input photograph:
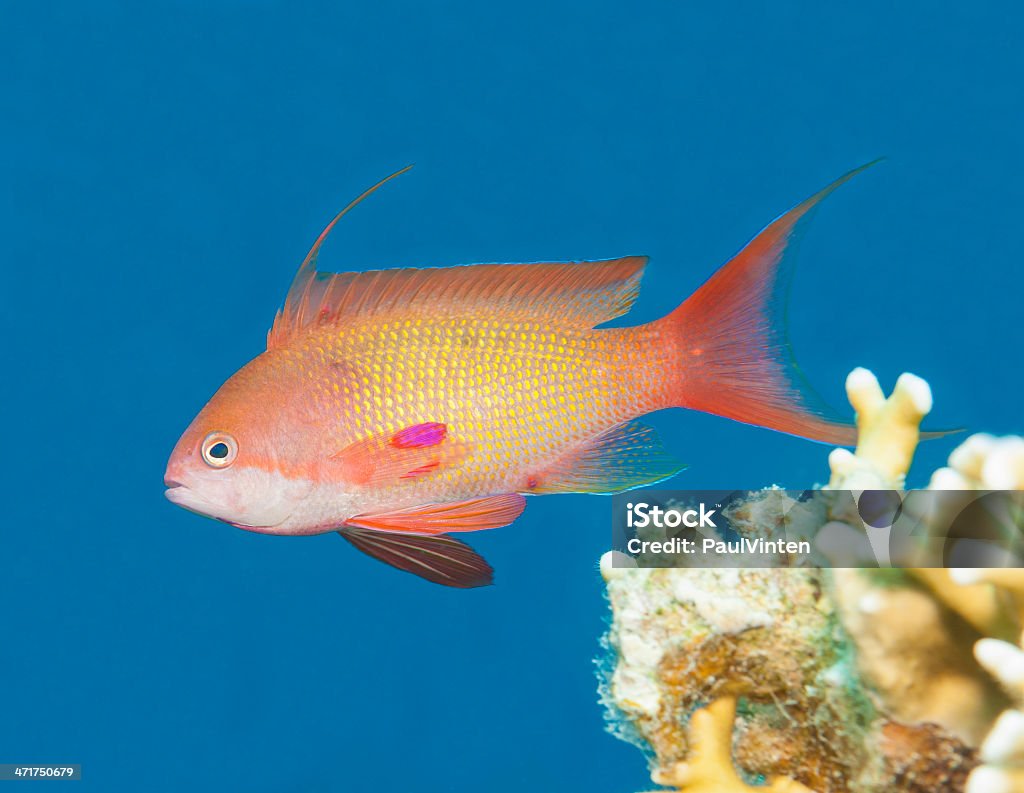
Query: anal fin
[476,514]
[626,456]
[436,558]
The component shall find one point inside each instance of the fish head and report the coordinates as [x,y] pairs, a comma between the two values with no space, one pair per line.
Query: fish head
[237,461]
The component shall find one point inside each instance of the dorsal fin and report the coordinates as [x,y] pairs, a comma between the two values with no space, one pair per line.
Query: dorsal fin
[584,293]
[292,315]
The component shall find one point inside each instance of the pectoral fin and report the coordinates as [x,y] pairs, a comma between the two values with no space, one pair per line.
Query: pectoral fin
[473,515]
[626,456]
[408,453]
[437,558]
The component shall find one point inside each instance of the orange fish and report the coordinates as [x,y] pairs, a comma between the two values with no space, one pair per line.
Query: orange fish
[398,407]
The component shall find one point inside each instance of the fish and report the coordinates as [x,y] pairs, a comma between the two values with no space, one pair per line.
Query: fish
[403,408]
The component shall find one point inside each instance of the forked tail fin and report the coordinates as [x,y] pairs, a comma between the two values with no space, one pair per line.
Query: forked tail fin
[733,357]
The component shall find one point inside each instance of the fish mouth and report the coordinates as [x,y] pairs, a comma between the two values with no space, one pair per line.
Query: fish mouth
[176,492]
[183,496]
[180,494]
[248,505]
[173,485]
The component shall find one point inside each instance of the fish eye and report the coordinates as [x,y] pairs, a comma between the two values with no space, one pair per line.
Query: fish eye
[219,450]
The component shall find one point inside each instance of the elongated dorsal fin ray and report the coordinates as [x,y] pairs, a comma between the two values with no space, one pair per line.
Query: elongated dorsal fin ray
[584,293]
[303,281]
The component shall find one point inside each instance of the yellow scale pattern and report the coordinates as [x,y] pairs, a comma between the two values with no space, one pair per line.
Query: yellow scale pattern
[519,394]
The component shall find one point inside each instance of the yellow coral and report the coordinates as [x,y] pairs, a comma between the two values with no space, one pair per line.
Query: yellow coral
[1002,753]
[709,768]
[983,461]
[990,601]
[907,648]
[888,431]
[980,605]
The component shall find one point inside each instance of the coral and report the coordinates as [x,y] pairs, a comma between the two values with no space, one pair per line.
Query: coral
[709,768]
[915,653]
[687,638]
[915,632]
[983,462]
[773,641]
[834,680]
[1002,752]
[912,650]
[887,432]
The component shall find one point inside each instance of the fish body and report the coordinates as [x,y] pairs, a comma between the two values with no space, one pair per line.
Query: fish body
[401,406]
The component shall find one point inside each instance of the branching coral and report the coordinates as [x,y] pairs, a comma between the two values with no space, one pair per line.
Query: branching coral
[887,432]
[983,462]
[709,768]
[1002,752]
[844,680]
[915,632]
[911,650]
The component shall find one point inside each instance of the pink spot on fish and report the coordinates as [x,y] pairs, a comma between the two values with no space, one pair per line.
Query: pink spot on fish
[418,436]
[531,483]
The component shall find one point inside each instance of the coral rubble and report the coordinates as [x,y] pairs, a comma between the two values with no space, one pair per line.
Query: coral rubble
[831,680]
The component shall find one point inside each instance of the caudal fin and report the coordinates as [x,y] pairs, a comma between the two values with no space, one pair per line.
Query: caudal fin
[734,360]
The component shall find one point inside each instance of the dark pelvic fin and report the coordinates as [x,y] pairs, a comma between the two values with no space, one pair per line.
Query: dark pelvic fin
[437,558]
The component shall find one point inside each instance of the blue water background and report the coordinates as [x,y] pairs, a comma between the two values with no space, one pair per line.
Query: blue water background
[164,169]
